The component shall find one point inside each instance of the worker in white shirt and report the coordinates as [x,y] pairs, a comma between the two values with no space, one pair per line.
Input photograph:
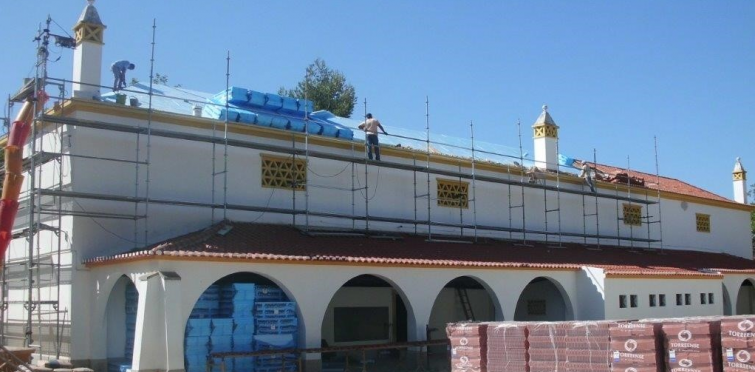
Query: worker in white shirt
[370,127]
[586,173]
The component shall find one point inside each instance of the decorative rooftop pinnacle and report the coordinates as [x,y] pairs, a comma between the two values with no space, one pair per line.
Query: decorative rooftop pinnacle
[544,118]
[90,15]
[738,168]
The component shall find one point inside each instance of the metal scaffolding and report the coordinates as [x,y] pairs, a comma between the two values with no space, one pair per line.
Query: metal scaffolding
[58,200]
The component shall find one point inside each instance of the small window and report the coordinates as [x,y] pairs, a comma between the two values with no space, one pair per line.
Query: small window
[703,298]
[679,301]
[536,307]
[633,300]
[623,301]
[651,300]
[453,193]
[632,215]
[710,298]
[703,222]
[280,172]
[662,300]
[687,299]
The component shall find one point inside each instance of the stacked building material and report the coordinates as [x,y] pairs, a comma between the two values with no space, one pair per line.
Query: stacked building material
[692,344]
[208,305]
[197,344]
[276,328]
[132,304]
[738,344]
[636,346]
[569,346]
[237,303]
[469,346]
[507,347]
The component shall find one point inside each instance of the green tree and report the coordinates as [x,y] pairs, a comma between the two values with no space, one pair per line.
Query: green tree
[326,88]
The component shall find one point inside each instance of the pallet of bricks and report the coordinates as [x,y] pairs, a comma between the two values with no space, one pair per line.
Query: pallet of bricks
[507,347]
[468,346]
[636,347]
[276,329]
[568,346]
[691,344]
[738,344]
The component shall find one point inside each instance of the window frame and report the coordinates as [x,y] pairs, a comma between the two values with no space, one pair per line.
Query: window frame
[448,184]
[702,222]
[297,169]
[632,214]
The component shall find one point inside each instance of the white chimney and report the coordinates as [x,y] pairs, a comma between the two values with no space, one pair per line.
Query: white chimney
[740,183]
[197,109]
[87,58]
[546,141]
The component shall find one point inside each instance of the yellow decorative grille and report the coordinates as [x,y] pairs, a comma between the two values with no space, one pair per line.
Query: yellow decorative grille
[453,193]
[632,215]
[739,176]
[703,222]
[87,32]
[284,173]
[546,131]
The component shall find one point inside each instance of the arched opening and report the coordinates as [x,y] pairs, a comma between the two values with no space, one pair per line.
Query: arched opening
[462,299]
[746,298]
[726,301]
[121,323]
[366,310]
[543,299]
[241,312]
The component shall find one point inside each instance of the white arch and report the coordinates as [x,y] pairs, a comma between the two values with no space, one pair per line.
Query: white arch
[568,306]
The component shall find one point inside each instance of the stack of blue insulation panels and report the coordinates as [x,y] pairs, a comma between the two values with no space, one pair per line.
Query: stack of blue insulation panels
[237,302]
[242,105]
[276,329]
[132,303]
[227,319]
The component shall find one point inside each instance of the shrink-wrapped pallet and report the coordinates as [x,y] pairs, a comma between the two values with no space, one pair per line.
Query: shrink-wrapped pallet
[636,346]
[738,344]
[507,347]
[468,346]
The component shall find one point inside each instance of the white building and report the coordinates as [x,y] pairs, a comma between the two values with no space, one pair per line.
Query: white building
[153,195]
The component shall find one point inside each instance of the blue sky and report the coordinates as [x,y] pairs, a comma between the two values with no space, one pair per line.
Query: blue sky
[614,73]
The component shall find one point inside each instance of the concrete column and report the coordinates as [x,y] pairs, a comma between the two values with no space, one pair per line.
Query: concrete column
[158,344]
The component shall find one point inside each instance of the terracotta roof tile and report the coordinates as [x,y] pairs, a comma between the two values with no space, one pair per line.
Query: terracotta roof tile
[249,241]
[662,183]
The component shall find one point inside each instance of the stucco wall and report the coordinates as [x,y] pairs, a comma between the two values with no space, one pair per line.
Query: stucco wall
[642,288]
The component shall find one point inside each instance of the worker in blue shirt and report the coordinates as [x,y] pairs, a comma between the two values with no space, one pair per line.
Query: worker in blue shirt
[119,71]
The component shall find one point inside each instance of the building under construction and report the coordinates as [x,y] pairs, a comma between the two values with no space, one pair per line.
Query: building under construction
[141,208]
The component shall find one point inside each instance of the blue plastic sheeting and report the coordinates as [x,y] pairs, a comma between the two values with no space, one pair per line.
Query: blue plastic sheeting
[219,344]
[181,101]
[274,342]
[566,161]
[199,327]
[248,98]
[238,291]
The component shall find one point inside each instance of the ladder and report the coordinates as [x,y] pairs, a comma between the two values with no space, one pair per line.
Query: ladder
[465,304]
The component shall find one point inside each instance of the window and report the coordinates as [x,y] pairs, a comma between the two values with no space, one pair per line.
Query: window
[453,193]
[687,299]
[632,215]
[703,298]
[703,222]
[662,300]
[282,172]
[710,298]
[633,300]
[679,299]
[623,301]
[651,300]
[536,307]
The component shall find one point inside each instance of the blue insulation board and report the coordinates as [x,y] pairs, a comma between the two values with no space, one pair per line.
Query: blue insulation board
[269,310]
[274,342]
[199,327]
[277,326]
[243,326]
[243,343]
[238,291]
[266,293]
[222,327]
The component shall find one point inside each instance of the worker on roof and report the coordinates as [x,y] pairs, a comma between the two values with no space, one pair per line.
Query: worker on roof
[119,72]
[586,173]
[370,127]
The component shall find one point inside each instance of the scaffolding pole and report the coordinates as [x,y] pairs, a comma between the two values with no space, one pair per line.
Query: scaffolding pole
[474,183]
[427,148]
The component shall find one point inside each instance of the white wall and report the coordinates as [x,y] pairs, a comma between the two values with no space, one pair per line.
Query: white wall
[668,286]
[591,293]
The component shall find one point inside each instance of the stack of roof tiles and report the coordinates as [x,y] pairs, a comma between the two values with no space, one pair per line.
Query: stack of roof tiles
[469,346]
[507,347]
[569,346]
[692,344]
[738,344]
[636,346]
